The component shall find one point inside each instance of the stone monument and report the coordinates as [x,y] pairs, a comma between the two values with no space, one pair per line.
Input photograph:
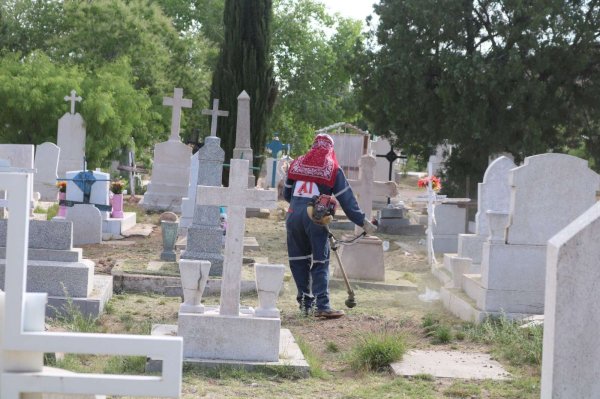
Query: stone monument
[71,138]
[547,193]
[189,203]
[243,149]
[493,195]
[205,235]
[213,333]
[364,259]
[171,166]
[46,171]
[23,339]
[571,354]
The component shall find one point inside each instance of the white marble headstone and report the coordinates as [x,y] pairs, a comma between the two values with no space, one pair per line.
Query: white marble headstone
[571,351]
[548,192]
[493,194]
[99,193]
[46,165]
[71,140]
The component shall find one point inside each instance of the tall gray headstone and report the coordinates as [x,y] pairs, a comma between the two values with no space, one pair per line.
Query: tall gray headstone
[243,149]
[46,166]
[71,138]
[205,236]
[571,354]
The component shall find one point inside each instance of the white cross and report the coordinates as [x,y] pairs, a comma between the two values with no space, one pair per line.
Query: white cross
[215,114]
[237,197]
[365,187]
[177,102]
[73,98]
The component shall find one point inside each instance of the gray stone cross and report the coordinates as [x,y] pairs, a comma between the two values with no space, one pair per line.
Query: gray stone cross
[237,197]
[215,114]
[366,187]
[73,98]
[177,102]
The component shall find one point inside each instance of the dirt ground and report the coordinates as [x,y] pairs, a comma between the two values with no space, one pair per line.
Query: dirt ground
[329,342]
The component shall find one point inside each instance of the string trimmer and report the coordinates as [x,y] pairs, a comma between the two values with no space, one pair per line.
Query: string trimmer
[335,244]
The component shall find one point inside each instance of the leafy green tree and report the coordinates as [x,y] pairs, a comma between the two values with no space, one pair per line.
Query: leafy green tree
[245,63]
[32,91]
[315,58]
[488,75]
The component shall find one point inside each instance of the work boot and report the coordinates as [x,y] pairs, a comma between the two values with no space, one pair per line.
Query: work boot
[329,313]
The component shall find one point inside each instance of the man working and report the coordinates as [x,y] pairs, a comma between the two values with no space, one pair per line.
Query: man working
[313,174]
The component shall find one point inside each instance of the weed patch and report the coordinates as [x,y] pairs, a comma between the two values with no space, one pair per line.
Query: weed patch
[517,345]
[375,351]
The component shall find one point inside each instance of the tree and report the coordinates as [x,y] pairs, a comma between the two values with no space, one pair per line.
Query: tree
[97,35]
[32,91]
[315,54]
[245,64]
[490,76]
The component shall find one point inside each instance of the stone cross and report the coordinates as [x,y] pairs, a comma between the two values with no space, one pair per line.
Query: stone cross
[237,197]
[23,335]
[366,187]
[391,157]
[177,102]
[73,98]
[215,113]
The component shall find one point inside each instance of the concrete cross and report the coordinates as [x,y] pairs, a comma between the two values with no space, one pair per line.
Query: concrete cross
[237,197]
[215,113]
[73,98]
[177,102]
[365,187]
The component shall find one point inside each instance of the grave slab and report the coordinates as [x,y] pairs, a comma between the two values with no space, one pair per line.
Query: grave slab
[290,355]
[447,364]
[114,227]
[139,230]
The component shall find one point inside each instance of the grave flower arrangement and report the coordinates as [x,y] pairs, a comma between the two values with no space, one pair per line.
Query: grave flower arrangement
[62,186]
[436,184]
[116,187]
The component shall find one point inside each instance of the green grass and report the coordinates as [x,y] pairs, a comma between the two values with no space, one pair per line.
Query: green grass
[129,365]
[462,389]
[332,347]
[52,212]
[397,388]
[520,346]
[375,351]
[314,362]
[442,334]
[39,209]
[72,319]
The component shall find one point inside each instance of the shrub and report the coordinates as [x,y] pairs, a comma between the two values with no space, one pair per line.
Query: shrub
[375,352]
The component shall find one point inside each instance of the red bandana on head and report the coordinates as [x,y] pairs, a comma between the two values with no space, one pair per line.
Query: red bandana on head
[318,165]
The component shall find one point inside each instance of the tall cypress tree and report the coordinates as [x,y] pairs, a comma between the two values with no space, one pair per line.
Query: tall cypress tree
[245,64]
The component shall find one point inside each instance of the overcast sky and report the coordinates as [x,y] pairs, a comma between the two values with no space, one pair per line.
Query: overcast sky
[357,9]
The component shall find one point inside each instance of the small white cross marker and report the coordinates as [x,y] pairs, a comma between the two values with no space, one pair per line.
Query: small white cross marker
[177,102]
[215,114]
[73,98]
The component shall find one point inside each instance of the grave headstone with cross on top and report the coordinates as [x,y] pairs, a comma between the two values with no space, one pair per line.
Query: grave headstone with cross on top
[177,102]
[204,234]
[71,137]
[237,197]
[216,332]
[171,166]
